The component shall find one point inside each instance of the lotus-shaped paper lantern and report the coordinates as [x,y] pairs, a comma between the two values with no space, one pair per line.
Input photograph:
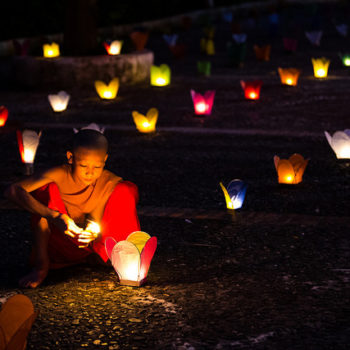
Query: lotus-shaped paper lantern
[28,142]
[239,38]
[132,258]
[203,104]
[170,39]
[92,126]
[21,47]
[3,115]
[289,76]
[320,67]
[314,37]
[290,171]
[204,67]
[51,50]
[59,101]
[251,89]
[114,47]
[262,53]
[146,123]
[207,46]
[139,39]
[160,75]
[345,59]
[290,44]
[234,193]
[340,143]
[107,91]
[342,29]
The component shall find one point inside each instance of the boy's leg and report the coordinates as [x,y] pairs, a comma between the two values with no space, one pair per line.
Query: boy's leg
[119,217]
[41,258]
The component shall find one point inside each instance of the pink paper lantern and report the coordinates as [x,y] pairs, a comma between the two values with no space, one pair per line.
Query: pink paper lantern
[203,104]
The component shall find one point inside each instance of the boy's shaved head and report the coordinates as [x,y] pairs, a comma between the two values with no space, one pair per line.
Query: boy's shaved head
[89,139]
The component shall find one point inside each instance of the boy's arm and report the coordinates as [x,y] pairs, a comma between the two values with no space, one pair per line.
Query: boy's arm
[19,193]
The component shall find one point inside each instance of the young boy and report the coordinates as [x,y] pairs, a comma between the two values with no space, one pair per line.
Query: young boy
[63,200]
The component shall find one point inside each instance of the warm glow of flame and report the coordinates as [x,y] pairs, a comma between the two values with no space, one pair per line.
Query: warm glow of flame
[28,156]
[93,227]
[347,62]
[201,107]
[107,94]
[252,95]
[289,178]
[114,48]
[289,81]
[51,50]
[160,81]
[344,152]
[146,124]
[320,72]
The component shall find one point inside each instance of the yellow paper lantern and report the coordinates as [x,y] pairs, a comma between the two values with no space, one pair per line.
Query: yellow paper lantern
[320,67]
[160,76]
[146,123]
[132,257]
[107,91]
[289,76]
[290,171]
[51,50]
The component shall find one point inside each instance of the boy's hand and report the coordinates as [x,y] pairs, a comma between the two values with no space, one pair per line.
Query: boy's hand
[67,225]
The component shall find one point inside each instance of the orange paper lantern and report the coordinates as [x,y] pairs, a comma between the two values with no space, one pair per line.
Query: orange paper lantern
[290,171]
[139,40]
[289,76]
[262,53]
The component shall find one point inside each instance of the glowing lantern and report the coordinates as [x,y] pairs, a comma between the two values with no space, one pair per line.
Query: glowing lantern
[290,171]
[139,39]
[4,113]
[204,67]
[92,126]
[340,143]
[21,47]
[146,123]
[59,102]
[107,92]
[345,59]
[239,38]
[132,258]
[203,104]
[114,47]
[170,39]
[17,316]
[160,76]
[342,29]
[262,53]
[28,142]
[251,89]
[234,193]
[290,44]
[207,46]
[289,76]
[320,67]
[51,50]
[314,37]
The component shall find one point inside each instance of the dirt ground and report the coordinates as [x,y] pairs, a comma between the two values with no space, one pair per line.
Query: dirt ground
[277,278]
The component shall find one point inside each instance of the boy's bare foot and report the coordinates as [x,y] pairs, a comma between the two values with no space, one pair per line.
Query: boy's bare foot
[34,278]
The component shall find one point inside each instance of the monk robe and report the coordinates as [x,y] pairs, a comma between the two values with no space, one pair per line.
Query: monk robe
[109,200]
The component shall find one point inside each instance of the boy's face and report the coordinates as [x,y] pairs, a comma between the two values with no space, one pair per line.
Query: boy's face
[87,164]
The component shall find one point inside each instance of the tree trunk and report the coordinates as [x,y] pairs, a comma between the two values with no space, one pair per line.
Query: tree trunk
[80,34]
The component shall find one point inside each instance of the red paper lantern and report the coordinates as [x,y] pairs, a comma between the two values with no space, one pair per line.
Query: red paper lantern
[251,89]
[3,115]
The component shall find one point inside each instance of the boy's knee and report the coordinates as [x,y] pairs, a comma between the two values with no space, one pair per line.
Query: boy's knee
[126,190]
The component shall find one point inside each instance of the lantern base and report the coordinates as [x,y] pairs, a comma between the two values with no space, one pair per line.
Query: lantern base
[132,283]
[29,169]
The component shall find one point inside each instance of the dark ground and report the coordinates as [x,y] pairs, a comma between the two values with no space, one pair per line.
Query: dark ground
[278,278]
